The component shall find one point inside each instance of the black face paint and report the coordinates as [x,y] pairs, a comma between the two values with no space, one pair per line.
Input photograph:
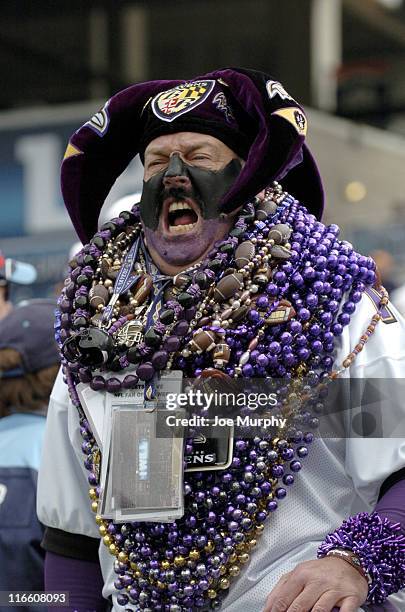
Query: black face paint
[207,188]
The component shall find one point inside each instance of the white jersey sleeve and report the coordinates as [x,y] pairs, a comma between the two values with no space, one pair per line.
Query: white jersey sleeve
[381,365]
[62,498]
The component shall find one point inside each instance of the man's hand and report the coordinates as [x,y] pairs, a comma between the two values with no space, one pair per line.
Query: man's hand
[319,586]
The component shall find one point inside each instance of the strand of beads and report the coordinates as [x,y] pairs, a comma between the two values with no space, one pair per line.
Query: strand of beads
[98,295]
[193,561]
[183,555]
[184,565]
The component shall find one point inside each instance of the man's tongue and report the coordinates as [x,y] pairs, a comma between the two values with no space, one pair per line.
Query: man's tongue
[182,216]
[184,219]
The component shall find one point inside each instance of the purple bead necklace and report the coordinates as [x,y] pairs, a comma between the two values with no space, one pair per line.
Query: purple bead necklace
[267,302]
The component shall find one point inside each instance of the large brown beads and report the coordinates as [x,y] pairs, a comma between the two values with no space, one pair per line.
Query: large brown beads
[98,296]
[262,275]
[108,270]
[244,253]
[283,313]
[280,233]
[203,340]
[104,267]
[280,252]
[120,238]
[265,209]
[143,288]
[181,280]
[239,313]
[221,355]
[228,286]
[229,271]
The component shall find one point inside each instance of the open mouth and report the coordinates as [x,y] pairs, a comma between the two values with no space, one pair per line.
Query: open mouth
[181,218]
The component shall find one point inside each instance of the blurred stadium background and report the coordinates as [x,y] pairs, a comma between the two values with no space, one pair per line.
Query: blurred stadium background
[60,60]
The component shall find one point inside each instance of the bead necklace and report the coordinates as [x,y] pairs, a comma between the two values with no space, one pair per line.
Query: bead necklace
[265,303]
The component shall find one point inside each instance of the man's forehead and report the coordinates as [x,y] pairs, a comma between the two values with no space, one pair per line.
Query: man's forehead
[183,140]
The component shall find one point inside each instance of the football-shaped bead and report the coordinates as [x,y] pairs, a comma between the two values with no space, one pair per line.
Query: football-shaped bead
[143,288]
[280,252]
[228,286]
[244,254]
[98,296]
[203,340]
[265,209]
[280,233]
[221,354]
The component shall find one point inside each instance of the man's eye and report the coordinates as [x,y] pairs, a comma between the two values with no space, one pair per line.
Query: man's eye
[156,163]
[199,156]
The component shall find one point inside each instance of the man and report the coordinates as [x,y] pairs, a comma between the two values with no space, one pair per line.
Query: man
[12,271]
[208,279]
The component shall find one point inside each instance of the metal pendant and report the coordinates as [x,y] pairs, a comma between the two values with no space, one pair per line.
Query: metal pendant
[131,333]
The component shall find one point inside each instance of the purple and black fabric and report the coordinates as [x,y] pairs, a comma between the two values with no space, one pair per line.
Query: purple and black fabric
[392,504]
[248,110]
[81,579]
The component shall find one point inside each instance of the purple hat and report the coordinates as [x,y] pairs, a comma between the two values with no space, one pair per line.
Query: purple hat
[28,329]
[248,110]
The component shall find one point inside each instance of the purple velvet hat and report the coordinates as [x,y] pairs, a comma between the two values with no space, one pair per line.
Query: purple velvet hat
[246,109]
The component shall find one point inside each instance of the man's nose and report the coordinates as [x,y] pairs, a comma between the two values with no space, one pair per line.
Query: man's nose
[176,175]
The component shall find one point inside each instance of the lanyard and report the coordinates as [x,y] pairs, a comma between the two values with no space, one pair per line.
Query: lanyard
[124,281]
[160,282]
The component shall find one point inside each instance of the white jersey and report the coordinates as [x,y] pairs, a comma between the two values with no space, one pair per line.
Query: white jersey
[398,299]
[340,477]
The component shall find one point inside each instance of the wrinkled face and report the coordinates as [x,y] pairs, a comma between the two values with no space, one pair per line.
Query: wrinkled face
[186,174]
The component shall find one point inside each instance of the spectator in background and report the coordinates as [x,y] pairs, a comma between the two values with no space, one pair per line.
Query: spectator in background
[386,267]
[29,362]
[12,271]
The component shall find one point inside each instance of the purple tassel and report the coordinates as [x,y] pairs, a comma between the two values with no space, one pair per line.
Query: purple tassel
[380,547]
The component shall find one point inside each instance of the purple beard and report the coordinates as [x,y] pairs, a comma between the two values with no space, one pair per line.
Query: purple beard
[184,250]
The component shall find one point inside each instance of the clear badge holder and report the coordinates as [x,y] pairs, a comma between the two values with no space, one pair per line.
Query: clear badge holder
[97,411]
[142,474]
[93,403]
[104,507]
